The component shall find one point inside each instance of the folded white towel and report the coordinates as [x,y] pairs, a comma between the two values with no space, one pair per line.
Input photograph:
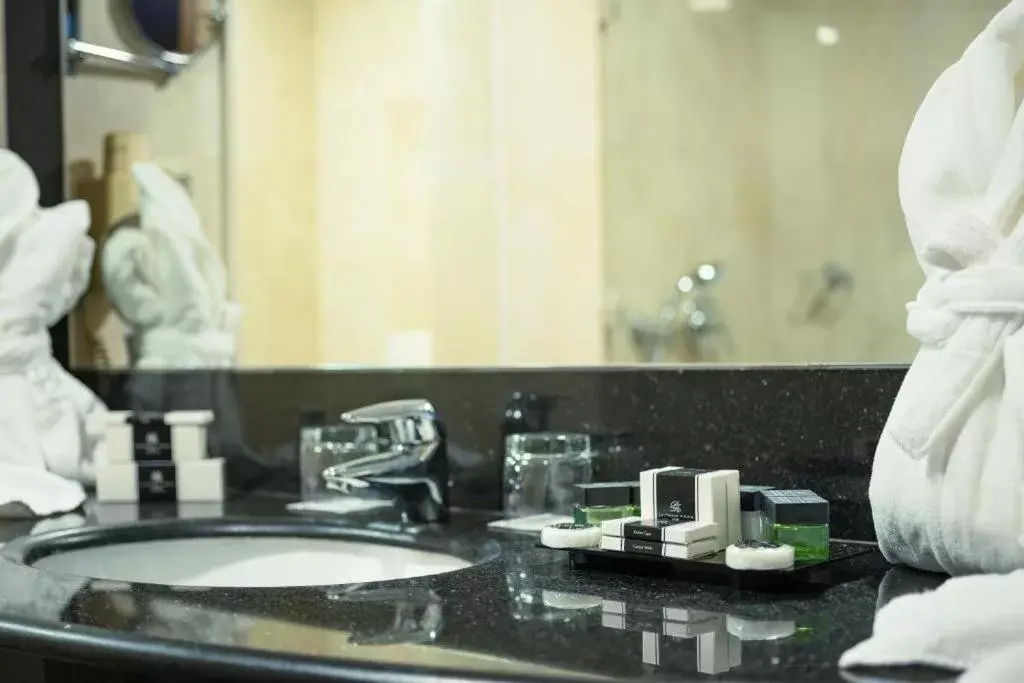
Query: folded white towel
[949,472]
[961,625]
[49,433]
[27,492]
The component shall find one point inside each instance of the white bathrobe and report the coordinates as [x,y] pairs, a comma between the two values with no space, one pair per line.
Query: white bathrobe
[947,490]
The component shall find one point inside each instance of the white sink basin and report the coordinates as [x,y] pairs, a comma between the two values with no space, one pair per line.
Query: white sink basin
[248,561]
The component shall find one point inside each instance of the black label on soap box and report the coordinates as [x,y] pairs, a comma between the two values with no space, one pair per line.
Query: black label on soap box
[158,482]
[641,531]
[151,437]
[630,545]
[676,495]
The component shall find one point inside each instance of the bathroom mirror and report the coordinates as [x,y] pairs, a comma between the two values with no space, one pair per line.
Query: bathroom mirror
[183,27]
[433,183]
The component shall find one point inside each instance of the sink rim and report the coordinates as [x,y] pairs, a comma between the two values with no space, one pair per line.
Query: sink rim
[26,550]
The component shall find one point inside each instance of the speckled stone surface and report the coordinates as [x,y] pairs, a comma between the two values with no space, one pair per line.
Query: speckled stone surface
[522,614]
[792,427]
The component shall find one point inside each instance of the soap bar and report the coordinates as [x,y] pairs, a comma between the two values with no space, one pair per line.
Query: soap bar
[161,482]
[156,437]
[188,433]
[570,535]
[680,552]
[691,551]
[647,491]
[751,520]
[628,545]
[670,532]
[614,527]
[151,437]
[677,494]
[118,443]
[724,504]
[759,556]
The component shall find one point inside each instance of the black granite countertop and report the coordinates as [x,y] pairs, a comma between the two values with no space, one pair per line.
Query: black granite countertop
[521,613]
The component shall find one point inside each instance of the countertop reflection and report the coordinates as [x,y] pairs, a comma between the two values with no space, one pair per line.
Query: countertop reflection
[521,613]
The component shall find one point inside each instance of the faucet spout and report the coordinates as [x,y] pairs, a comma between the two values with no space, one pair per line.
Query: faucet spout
[408,460]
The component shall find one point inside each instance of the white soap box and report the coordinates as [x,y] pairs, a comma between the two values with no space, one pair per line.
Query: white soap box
[188,435]
[182,482]
[717,499]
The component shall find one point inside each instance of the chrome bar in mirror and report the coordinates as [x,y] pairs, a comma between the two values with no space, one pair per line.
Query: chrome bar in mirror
[80,51]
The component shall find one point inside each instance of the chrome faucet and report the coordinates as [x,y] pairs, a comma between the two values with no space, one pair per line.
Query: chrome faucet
[407,457]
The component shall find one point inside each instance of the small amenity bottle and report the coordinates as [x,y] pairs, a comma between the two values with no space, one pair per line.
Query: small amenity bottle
[799,519]
[751,517]
[596,503]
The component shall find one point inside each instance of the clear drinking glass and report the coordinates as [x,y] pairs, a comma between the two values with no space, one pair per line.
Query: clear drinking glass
[541,470]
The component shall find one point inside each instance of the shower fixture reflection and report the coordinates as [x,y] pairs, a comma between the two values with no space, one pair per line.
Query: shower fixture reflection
[823,295]
[688,325]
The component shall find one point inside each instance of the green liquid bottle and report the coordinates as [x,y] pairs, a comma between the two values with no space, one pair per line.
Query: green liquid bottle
[798,519]
[596,503]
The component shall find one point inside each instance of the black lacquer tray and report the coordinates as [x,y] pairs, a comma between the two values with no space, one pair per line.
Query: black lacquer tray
[805,575]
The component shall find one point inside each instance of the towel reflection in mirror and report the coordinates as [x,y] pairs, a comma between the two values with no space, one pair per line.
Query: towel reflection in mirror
[167,281]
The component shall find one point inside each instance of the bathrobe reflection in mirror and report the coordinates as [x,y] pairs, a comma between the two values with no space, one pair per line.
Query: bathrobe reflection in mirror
[50,424]
[167,282]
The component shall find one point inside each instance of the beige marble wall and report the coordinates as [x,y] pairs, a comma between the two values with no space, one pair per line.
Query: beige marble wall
[371,208]
[738,136]
[461,170]
[271,156]
[458,188]
[546,80]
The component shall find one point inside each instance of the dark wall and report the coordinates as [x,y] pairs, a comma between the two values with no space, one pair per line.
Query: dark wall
[35,107]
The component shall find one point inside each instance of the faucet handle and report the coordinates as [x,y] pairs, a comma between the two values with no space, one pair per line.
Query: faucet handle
[381,413]
[409,422]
